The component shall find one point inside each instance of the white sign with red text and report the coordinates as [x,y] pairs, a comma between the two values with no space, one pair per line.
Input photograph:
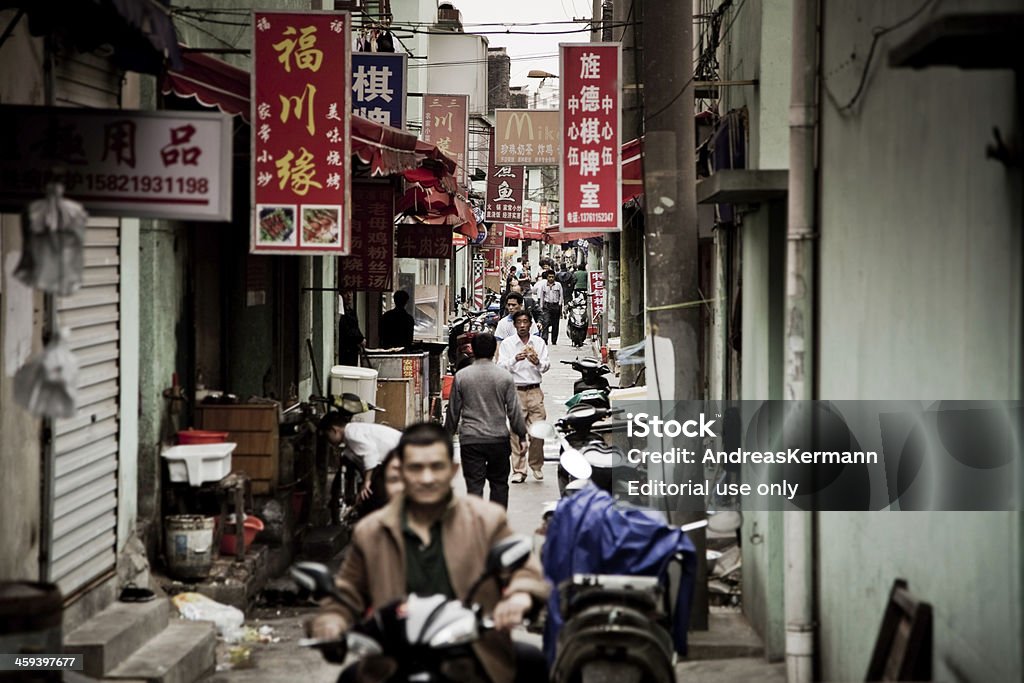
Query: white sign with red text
[165,164]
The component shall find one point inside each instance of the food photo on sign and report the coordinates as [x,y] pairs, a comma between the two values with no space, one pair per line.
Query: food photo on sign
[277,225]
[320,225]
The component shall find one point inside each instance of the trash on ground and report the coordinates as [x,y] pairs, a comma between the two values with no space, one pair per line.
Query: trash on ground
[198,607]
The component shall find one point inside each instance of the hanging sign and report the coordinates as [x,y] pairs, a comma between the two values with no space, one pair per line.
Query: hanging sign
[495,236]
[423,241]
[595,278]
[368,266]
[446,124]
[591,161]
[506,191]
[378,87]
[301,146]
[165,164]
[529,137]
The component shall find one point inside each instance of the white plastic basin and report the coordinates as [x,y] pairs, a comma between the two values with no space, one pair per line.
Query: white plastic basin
[199,463]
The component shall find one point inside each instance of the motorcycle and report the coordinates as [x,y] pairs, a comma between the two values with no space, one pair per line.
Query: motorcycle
[464,328]
[592,374]
[419,638]
[583,452]
[578,318]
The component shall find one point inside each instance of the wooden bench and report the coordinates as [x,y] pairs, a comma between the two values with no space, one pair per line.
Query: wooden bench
[903,650]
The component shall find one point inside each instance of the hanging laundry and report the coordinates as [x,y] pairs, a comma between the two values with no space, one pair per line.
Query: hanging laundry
[53,232]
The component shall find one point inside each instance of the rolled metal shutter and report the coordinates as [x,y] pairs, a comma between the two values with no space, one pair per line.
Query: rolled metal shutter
[86,446]
[84,518]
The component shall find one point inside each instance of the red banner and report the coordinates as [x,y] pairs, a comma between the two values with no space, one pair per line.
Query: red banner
[528,217]
[591,162]
[446,124]
[492,259]
[368,266]
[545,213]
[495,236]
[301,147]
[423,241]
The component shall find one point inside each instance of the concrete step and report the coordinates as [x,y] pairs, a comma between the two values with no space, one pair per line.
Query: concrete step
[184,652]
[729,636]
[114,634]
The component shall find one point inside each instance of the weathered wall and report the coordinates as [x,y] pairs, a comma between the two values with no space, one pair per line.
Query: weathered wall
[920,297]
[21,71]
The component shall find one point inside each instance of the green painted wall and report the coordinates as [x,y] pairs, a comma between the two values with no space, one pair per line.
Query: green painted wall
[920,298]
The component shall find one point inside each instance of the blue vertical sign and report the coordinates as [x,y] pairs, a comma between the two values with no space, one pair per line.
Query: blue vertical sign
[378,87]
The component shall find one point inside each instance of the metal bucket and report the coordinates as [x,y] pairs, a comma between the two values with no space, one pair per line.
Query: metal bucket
[189,545]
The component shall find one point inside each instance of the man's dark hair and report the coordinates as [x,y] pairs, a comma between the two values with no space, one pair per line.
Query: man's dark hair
[521,313]
[514,296]
[334,419]
[425,434]
[401,298]
[564,268]
[548,274]
[484,345]
[519,260]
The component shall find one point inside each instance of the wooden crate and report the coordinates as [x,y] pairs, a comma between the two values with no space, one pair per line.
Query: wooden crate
[397,396]
[254,428]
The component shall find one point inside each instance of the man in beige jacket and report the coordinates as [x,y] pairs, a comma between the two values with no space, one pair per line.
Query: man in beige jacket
[429,541]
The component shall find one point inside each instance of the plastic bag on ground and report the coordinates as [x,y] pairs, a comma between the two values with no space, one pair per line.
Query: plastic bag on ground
[198,607]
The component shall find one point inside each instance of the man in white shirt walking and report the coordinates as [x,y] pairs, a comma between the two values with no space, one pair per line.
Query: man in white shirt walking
[551,298]
[526,357]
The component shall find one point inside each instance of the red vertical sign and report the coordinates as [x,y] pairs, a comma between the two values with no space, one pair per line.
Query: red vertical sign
[368,266]
[591,162]
[506,191]
[596,281]
[301,149]
[446,124]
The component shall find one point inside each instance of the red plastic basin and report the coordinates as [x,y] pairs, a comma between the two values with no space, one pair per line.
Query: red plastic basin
[229,540]
[192,437]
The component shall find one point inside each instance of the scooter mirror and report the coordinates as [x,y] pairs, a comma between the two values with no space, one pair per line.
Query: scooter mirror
[575,464]
[543,430]
[509,554]
[314,577]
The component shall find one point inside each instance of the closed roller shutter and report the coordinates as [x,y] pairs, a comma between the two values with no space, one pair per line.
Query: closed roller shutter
[86,446]
[84,518]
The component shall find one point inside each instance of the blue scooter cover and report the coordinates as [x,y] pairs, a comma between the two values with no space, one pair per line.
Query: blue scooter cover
[591,534]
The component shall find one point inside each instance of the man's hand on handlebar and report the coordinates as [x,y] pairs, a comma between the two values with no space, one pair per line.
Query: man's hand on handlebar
[510,611]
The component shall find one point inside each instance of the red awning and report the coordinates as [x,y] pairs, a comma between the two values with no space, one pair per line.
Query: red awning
[632,169]
[211,82]
[522,232]
[552,235]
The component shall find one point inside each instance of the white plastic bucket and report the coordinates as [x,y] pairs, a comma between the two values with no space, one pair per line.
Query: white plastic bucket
[350,379]
[188,545]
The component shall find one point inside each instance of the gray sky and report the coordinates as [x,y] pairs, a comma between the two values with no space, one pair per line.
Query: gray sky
[524,49]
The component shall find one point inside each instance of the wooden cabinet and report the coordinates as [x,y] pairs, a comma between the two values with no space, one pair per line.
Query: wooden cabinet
[254,428]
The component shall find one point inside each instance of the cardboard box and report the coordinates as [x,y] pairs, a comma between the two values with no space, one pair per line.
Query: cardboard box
[398,397]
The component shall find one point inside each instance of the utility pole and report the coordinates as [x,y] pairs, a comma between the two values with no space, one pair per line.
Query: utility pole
[631,239]
[672,311]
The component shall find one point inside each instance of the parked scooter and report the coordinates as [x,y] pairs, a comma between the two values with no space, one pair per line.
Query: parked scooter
[578,318]
[418,638]
[580,437]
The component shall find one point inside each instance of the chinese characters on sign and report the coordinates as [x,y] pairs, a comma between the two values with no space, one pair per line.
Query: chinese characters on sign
[301,149]
[367,268]
[506,190]
[529,137]
[495,236]
[378,87]
[596,278]
[423,241]
[591,163]
[446,124]
[168,164]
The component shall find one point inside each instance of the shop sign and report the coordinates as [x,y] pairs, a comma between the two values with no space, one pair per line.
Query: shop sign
[527,137]
[492,259]
[495,236]
[368,266]
[423,241]
[506,191]
[166,164]
[591,162]
[446,125]
[301,146]
[378,87]
[596,282]
[542,217]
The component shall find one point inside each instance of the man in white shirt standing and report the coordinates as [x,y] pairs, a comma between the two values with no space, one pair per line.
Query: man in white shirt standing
[526,357]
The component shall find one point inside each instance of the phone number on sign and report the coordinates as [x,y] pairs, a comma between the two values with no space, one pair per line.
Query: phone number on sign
[111,182]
